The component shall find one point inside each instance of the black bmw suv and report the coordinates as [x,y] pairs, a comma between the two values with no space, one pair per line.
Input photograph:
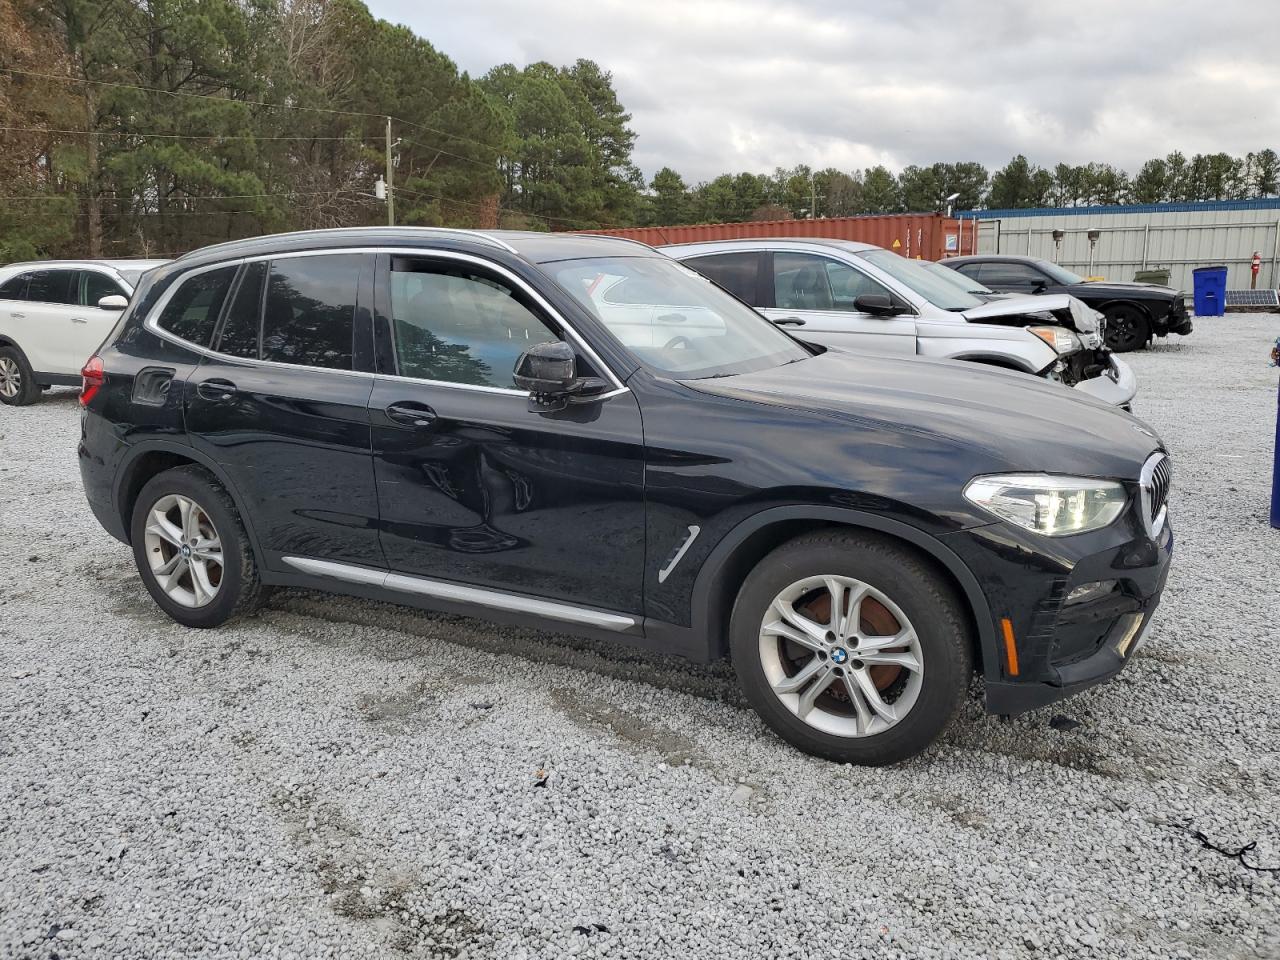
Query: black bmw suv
[580,434]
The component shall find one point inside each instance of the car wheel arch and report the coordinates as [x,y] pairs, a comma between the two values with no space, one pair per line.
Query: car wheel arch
[716,585]
[151,458]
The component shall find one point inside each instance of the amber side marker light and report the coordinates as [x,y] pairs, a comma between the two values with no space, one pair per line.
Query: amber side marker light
[1010,648]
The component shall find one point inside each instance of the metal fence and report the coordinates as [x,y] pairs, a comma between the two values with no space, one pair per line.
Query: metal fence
[1180,237]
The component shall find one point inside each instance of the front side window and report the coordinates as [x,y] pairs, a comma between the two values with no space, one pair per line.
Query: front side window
[53,286]
[736,272]
[684,326]
[94,286]
[803,278]
[453,323]
[192,311]
[1006,274]
[309,317]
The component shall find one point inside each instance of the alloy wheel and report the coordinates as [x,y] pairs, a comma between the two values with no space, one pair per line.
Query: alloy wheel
[184,551]
[841,656]
[10,377]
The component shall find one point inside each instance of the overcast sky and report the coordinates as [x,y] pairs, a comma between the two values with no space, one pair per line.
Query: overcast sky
[729,85]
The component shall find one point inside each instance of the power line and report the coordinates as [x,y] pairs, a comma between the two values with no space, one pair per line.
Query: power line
[177,136]
[501,209]
[185,197]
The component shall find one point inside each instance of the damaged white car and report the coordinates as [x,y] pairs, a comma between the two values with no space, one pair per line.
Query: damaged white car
[865,298]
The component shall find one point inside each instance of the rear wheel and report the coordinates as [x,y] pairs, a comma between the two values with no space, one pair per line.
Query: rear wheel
[1127,329]
[18,385]
[851,648]
[192,551]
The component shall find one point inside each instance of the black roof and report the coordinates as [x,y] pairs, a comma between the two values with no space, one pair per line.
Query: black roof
[1012,257]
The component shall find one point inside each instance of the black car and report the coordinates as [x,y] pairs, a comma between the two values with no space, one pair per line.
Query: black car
[1135,312]
[579,434]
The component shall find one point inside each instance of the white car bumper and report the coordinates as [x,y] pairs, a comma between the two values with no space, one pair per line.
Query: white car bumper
[1117,386]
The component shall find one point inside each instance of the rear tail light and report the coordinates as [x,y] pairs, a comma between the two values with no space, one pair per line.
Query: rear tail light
[92,377]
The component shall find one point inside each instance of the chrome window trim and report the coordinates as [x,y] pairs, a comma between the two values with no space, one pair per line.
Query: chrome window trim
[1152,524]
[152,321]
[462,593]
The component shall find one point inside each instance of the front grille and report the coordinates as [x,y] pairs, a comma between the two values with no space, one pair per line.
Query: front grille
[1157,477]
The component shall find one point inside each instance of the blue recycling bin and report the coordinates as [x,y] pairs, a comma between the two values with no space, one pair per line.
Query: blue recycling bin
[1209,287]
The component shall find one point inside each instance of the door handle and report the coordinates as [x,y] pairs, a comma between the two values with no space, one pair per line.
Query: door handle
[789,322]
[416,415]
[216,390]
[18,316]
[79,320]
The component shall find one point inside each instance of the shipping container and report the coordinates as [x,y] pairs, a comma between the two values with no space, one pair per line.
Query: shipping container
[923,236]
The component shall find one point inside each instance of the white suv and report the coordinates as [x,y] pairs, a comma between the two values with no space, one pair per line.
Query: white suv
[867,299]
[53,315]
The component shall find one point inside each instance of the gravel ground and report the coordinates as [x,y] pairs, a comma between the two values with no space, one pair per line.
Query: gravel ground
[342,778]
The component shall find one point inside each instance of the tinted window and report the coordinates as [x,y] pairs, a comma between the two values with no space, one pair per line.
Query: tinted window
[192,311]
[240,329]
[456,324]
[974,270]
[15,288]
[736,272]
[1011,274]
[53,286]
[310,311]
[95,286]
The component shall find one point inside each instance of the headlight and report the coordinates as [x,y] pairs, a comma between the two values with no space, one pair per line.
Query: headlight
[1060,338]
[1054,506]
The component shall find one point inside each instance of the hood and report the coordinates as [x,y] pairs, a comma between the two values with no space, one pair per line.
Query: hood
[998,420]
[1121,288]
[1065,309]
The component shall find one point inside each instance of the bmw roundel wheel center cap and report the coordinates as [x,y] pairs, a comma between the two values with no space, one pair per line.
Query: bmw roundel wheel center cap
[839,655]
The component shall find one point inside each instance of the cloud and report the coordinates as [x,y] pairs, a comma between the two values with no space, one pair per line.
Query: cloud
[728,85]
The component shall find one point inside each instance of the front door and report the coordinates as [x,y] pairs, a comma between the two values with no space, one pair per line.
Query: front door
[477,485]
[282,406]
[820,292]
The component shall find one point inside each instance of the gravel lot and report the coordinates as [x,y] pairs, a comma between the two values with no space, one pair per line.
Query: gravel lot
[342,778]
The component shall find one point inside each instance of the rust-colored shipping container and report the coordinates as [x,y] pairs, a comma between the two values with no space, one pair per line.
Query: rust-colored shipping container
[925,236]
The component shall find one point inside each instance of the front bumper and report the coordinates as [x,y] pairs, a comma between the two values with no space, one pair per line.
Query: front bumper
[1117,385]
[1063,648]
[1178,320]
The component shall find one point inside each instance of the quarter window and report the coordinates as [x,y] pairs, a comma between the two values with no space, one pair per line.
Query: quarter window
[53,286]
[310,310]
[453,323]
[736,272]
[192,311]
[244,317]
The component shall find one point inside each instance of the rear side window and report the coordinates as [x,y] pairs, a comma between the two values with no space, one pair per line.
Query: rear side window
[192,311]
[736,272]
[54,286]
[94,286]
[244,316]
[15,288]
[310,310]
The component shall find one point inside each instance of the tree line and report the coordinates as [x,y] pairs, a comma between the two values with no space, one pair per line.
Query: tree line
[151,127]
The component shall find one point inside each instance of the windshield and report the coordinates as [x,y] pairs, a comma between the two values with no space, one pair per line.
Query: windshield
[956,278]
[131,277]
[912,273]
[677,322]
[1059,274]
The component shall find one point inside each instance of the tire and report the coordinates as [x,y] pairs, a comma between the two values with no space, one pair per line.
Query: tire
[1127,329]
[238,590]
[902,586]
[18,385]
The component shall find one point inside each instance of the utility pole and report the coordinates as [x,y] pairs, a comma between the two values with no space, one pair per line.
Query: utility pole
[813,198]
[391,197]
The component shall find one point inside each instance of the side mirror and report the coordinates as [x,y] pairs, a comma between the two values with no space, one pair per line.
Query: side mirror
[114,301]
[549,371]
[877,304]
[1039,286]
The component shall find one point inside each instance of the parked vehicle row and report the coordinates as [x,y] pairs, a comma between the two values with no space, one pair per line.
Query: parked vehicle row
[869,299]
[581,434]
[1136,312]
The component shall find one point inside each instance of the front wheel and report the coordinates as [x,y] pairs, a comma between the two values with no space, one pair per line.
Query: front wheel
[192,551]
[851,648]
[1127,329]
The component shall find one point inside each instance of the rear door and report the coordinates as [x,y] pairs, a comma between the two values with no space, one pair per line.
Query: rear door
[43,326]
[281,404]
[477,485]
[820,292]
